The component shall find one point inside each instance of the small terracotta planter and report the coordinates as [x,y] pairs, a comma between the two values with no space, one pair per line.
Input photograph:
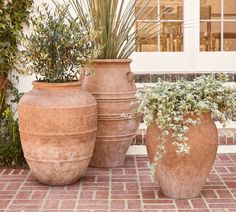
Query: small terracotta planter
[58,124]
[183,177]
[113,87]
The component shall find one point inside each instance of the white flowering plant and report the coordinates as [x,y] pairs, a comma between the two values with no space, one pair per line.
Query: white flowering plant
[169,103]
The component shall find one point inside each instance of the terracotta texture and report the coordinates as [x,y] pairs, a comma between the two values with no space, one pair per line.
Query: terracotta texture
[112,84]
[183,177]
[58,124]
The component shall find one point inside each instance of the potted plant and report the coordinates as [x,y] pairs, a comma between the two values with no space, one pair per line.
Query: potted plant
[112,83]
[182,137]
[57,119]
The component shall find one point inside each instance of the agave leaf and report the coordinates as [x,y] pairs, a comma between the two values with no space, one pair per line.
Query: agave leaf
[117,20]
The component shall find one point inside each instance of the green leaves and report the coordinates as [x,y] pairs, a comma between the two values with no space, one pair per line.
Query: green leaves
[11,153]
[12,15]
[58,46]
[172,106]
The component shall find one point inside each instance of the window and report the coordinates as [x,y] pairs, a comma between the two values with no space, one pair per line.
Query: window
[192,36]
[167,31]
[217,25]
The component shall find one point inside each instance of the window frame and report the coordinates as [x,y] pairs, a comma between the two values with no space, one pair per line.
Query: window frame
[191,59]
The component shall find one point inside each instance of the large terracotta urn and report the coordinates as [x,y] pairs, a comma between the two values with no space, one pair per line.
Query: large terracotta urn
[113,86]
[58,125]
[183,176]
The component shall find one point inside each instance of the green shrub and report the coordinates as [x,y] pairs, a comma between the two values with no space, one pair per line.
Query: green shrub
[58,45]
[10,147]
[13,14]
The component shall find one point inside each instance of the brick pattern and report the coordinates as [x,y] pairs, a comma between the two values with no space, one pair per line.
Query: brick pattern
[226,136]
[127,188]
[153,77]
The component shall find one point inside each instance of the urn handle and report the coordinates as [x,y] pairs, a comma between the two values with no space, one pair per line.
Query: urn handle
[130,76]
[81,78]
[82,75]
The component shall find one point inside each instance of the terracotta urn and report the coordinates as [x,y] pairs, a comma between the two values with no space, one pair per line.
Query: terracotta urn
[113,86]
[183,176]
[58,125]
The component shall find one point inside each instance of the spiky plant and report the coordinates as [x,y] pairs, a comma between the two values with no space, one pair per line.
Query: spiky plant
[116,19]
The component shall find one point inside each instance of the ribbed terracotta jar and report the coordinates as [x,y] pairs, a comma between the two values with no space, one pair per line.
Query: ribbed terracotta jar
[58,125]
[183,177]
[113,86]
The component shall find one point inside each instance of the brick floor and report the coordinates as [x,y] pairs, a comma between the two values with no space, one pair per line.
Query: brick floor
[128,188]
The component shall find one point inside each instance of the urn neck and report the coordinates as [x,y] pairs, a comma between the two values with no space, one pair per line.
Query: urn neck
[56,86]
[114,61]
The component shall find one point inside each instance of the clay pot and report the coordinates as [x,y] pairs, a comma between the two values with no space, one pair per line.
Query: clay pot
[58,124]
[183,177]
[113,86]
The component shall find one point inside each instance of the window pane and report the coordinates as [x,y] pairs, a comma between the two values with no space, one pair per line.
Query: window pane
[150,11]
[230,36]
[210,36]
[171,38]
[171,9]
[210,9]
[230,9]
[149,42]
[167,29]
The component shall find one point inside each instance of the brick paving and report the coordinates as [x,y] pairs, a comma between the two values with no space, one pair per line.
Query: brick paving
[127,188]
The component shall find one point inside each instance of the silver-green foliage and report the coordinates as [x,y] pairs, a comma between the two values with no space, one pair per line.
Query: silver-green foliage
[168,104]
[117,19]
[57,47]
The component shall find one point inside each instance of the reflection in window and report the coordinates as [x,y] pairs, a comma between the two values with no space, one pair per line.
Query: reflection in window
[218,25]
[210,40]
[210,9]
[229,36]
[230,9]
[167,30]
